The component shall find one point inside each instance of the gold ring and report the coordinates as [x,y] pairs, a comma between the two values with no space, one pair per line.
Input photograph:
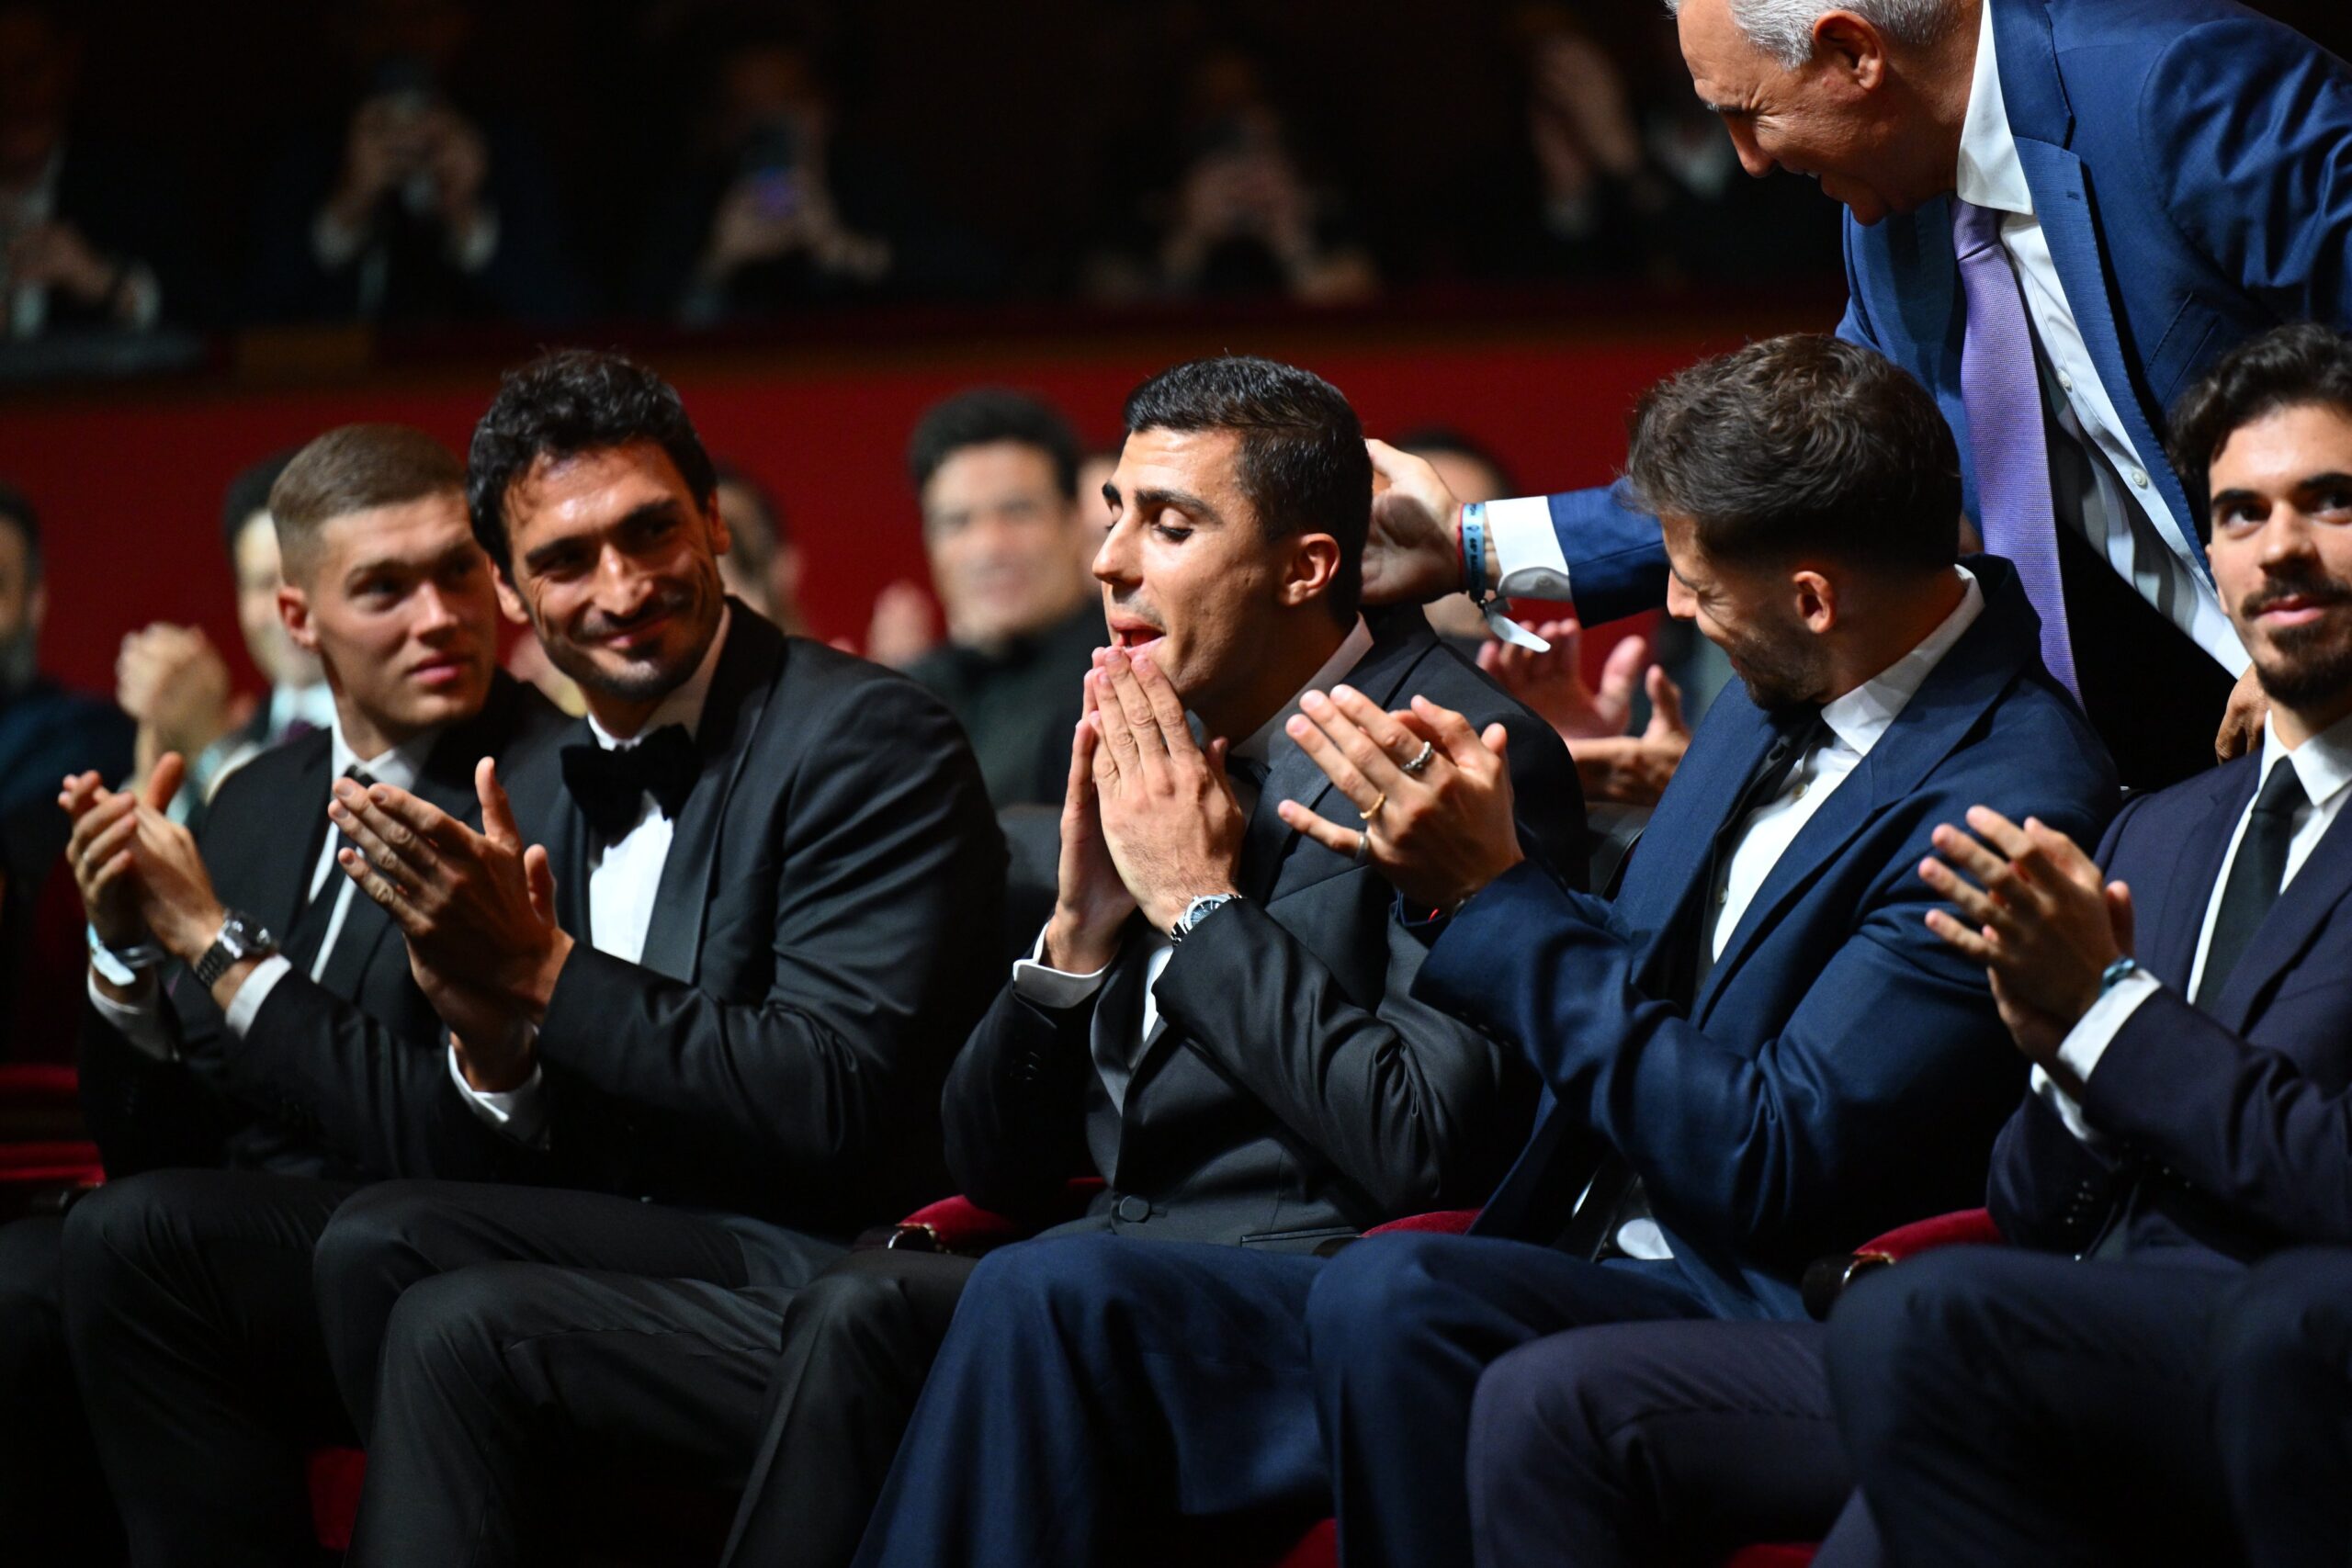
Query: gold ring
[1373,809]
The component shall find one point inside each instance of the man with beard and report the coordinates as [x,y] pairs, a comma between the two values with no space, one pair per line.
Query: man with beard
[712,962]
[2182,1395]
[1755,1052]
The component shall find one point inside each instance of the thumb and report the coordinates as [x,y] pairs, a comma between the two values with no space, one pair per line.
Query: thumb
[164,780]
[2121,914]
[1619,673]
[538,877]
[1216,755]
[497,816]
[1497,740]
[1666,705]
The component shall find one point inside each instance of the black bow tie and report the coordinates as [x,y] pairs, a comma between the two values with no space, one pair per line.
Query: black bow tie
[611,786]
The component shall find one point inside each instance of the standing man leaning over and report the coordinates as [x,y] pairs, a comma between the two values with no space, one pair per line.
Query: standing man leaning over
[715,960]
[293,1058]
[2060,212]
[997,474]
[1724,1083]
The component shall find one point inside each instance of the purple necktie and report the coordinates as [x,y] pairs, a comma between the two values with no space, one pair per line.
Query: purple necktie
[2002,392]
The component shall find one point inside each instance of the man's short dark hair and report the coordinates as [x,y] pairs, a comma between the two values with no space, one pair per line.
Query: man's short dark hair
[353,468]
[1422,440]
[249,493]
[562,404]
[985,416]
[1802,446]
[17,509]
[2290,367]
[1303,467]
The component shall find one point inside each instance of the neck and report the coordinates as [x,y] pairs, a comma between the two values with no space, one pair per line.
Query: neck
[367,736]
[1944,76]
[2296,725]
[1290,659]
[1900,618]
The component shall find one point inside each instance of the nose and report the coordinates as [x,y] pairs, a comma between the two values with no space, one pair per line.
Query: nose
[621,588]
[1680,602]
[2286,535]
[1752,157]
[437,617]
[1115,561]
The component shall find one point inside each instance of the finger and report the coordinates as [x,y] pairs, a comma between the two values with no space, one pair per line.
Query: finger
[1393,744]
[539,879]
[1127,695]
[1343,727]
[367,839]
[99,818]
[1217,754]
[1977,906]
[2123,916]
[1970,942]
[79,792]
[1497,740]
[1623,669]
[2000,832]
[424,822]
[1344,775]
[1454,737]
[111,840]
[391,895]
[164,780]
[1115,751]
[497,813]
[1493,659]
[1665,706]
[1167,707]
[1967,855]
[2063,855]
[1339,841]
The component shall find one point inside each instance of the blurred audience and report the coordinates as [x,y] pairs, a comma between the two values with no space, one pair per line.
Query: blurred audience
[46,731]
[996,472]
[762,566]
[413,207]
[1240,215]
[175,685]
[90,235]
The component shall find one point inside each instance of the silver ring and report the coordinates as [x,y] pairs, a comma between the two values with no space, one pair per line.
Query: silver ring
[1363,848]
[1422,758]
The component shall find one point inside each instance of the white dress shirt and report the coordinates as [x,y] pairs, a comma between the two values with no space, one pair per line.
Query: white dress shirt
[1036,981]
[2135,531]
[1853,724]
[2323,763]
[623,879]
[141,1022]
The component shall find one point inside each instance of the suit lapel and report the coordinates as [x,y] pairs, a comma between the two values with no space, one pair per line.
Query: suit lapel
[2197,869]
[1664,893]
[282,883]
[749,668]
[2278,942]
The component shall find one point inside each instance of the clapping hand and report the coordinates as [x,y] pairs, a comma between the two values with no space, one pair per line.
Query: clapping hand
[1090,901]
[1169,817]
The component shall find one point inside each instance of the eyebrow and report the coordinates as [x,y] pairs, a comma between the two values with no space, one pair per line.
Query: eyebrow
[397,563]
[667,510]
[1183,501]
[2333,478]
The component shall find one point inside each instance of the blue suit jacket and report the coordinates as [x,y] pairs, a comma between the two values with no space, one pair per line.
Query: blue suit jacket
[1841,1070]
[2192,165]
[2231,1130]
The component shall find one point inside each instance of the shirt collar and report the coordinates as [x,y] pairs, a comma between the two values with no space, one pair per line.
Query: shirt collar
[399,767]
[1259,746]
[1990,174]
[1862,715]
[2323,763]
[313,703]
[683,706]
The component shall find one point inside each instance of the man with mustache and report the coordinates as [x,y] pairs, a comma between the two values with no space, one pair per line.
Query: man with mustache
[2181,1395]
[255,1048]
[710,965]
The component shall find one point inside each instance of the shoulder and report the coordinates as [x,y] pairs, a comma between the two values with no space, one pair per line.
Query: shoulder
[837,706]
[262,784]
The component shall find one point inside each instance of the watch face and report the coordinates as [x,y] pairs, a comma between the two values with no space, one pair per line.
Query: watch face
[243,936]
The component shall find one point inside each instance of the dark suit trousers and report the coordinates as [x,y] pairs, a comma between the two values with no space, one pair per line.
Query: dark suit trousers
[54,1501]
[485,1337]
[2004,1406]
[2282,1408]
[187,1296]
[857,1346]
[1645,1443]
[1094,1388]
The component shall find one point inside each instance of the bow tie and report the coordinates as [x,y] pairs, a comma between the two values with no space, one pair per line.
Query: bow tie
[610,786]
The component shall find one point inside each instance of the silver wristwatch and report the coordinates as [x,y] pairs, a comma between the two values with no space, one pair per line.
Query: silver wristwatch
[242,937]
[1196,911]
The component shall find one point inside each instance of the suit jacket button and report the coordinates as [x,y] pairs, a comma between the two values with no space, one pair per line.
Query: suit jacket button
[1133,1210]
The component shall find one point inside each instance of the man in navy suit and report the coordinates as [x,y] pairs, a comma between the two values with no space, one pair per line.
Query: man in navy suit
[2060,213]
[1723,1084]
[2004,1405]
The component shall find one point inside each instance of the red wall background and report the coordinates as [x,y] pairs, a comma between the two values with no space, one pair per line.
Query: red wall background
[129,484]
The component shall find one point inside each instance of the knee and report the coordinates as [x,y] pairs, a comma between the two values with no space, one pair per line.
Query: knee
[454,1322]
[2283,1330]
[1909,1328]
[123,1231]
[1536,1400]
[379,1233]
[1376,1297]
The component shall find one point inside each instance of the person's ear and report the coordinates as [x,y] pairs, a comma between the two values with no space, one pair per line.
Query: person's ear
[721,541]
[510,602]
[294,612]
[1314,562]
[1850,49]
[1816,597]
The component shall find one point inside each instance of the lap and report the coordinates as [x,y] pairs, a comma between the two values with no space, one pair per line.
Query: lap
[1406,1284]
[442,1226]
[239,1209]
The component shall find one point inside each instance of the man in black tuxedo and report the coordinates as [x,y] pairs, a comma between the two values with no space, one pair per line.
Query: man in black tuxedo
[240,1099]
[714,963]
[1263,1082]
[2006,1404]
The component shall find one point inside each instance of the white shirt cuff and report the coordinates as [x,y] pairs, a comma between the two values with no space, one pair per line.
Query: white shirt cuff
[2086,1044]
[138,1021]
[1529,563]
[334,246]
[246,1004]
[519,1112]
[1034,980]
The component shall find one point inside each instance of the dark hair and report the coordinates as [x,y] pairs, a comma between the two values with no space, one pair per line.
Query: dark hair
[985,416]
[16,507]
[1422,440]
[354,468]
[249,493]
[1303,467]
[1802,445]
[756,553]
[561,404]
[2290,367]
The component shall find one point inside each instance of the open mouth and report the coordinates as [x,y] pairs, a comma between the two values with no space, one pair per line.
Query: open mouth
[1128,636]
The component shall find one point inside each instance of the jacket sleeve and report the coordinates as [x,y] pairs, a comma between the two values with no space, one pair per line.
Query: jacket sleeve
[888,878]
[142,1113]
[1015,1107]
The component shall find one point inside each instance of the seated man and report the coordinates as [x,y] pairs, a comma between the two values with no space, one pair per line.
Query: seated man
[710,965]
[279,1077]
[995,473]
[1267,1084]
[1728,1087]
[46,729]
[2148,1404]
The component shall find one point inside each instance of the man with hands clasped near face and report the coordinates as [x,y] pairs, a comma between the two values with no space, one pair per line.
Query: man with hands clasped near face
[240,1099]
[2177,1389]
